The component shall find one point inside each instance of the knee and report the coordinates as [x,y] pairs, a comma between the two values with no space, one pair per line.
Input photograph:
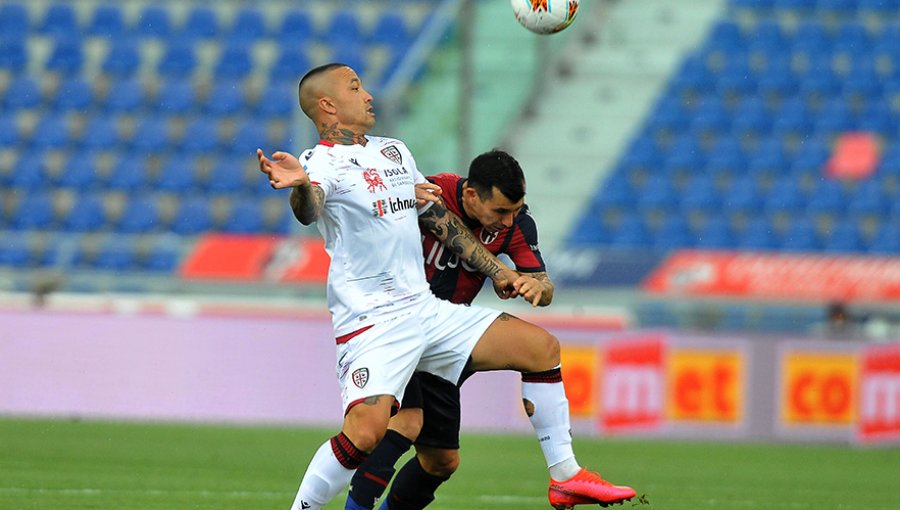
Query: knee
[365,439]
[546,354]
[440,463]
[408,423]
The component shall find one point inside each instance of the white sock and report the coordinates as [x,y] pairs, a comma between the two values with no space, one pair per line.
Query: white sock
[550,419]
[325,477]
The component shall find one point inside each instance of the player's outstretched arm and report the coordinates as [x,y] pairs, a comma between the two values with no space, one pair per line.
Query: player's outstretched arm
[285,171]
[452,232]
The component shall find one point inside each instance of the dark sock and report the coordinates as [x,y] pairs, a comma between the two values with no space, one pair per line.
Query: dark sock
[413,488]
[373,476]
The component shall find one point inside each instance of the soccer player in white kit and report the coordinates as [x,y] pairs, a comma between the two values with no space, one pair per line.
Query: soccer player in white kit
[360,189]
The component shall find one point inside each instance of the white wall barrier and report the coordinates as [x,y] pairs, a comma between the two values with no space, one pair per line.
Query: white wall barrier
[280,369]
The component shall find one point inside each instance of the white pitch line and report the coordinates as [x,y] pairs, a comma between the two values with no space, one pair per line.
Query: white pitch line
[87,491]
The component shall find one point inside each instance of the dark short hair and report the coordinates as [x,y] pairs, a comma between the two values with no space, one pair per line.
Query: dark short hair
[497,169]
[316,71]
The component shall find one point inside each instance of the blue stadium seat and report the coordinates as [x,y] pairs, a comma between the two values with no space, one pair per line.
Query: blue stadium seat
[200,136]
[844,238]
[247,26]
[51,132]
[141,215]
[194,216]
[837,6]
[343,29]
[13,54]
[751,117]
[151,135]
[154,21]
[176,96]
[123,59]
[249,135]
[703,199]
[66,56]
[234,62]
[743,199]
[59,20]
[244,217]
[178,175]
[35,211]
[715,234]
[15,252]
[73,94]
[23,92]
[296,28]
[227,177]
[674,233]
[161,258]
[202,23]
[15,21]
[101,133]
[758,235]
[658,194]
[290,65]
[125,96]
[9,131]
[178,61]
[28,174]
[107,21]
[129,173]
[115,255]
[392,30]
[800,236]
[79,172]
[631,232]
[887,239]
[225,98]
[278,100]
[88,214]
[829,198]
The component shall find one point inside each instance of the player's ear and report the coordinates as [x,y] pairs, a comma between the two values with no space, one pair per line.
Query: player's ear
[326,104]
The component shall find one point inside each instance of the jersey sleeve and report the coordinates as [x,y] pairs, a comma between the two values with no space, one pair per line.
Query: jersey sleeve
[315,172]
[523,247]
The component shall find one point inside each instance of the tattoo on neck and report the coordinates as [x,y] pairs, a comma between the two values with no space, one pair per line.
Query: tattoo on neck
[342,136]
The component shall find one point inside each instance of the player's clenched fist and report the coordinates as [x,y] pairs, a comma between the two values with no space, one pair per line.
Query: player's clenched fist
[284,170]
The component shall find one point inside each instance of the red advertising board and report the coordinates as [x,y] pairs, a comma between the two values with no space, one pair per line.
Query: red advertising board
[632,394]
[257,258]
[879,400]
[790,276]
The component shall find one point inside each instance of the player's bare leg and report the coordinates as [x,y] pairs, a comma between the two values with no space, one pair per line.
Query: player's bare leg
[335,461]
[513,344]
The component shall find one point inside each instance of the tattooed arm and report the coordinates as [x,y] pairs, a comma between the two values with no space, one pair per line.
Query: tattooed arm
[306,202]
[452,232]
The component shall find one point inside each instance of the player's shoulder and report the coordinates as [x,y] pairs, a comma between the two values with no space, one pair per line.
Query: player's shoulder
[525,221]
[381,142]
[445,179]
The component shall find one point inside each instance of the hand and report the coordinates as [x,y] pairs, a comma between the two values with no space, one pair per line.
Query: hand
[503,283]
[530,288]
[428,192]
[284,170]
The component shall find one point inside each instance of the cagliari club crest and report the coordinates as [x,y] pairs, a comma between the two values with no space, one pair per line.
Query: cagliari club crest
[393,153]
[360,377]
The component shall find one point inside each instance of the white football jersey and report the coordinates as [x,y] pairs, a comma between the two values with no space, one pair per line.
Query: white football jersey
[371,230]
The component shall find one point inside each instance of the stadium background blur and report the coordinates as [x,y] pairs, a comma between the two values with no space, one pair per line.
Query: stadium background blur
[655,138]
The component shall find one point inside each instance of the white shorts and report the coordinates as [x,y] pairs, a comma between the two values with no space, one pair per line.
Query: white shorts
[432,335]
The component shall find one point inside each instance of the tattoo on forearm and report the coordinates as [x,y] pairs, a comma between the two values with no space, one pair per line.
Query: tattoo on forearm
[452,232]
[342,136]
[306,202]
[547,295]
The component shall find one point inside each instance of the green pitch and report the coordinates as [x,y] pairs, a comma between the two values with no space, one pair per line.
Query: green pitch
[96,465]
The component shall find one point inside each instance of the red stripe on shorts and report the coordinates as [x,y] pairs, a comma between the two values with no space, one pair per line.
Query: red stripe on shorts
[350,336]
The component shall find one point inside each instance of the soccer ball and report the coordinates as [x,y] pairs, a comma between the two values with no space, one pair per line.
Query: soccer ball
[545,16]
